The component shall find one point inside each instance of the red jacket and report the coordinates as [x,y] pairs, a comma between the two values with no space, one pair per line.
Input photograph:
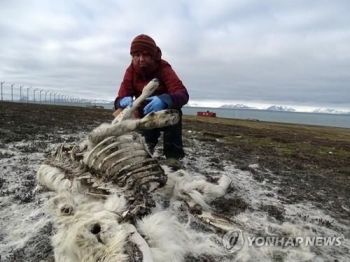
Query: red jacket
[169,83]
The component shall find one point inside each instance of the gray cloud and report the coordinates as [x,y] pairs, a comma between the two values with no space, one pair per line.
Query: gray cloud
[268,51]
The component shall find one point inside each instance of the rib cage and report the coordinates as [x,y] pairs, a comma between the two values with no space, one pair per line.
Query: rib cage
[125,160]
[106,163]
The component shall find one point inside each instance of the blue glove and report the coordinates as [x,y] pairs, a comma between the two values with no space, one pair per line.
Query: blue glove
[126,101]
[157,103]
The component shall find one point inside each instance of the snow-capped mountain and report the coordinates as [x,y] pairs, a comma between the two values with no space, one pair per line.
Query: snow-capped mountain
[237,106]
[329,111]
[281,108]
[190,104]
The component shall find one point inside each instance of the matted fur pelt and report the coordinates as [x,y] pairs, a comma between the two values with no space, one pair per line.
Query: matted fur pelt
[105,207]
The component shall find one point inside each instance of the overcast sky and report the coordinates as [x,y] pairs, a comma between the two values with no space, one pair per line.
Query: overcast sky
[240,51]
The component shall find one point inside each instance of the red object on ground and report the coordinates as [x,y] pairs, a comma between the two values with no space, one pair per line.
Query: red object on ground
[206,114]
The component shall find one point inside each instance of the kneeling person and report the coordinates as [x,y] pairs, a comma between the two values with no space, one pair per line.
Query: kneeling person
[147,64]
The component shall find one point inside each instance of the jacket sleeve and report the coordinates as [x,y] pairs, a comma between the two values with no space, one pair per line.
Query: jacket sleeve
[175,88]
[126,87]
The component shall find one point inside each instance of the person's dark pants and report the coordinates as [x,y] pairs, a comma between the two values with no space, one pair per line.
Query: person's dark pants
[172,139]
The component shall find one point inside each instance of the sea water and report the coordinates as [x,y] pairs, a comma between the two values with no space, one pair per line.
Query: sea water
[320,119]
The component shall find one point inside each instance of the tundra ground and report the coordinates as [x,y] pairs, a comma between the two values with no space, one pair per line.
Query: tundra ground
[293,164]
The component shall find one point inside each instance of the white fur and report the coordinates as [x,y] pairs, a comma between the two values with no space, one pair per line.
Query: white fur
[92,227]
[74,240]
[165,238]
[194,189]
[153,120]
[169,240]
[141,243]
[54,179]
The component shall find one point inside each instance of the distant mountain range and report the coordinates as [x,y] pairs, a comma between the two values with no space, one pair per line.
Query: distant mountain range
[281,108]
[242,106]
[237,106]
[271,108]
[274,108]
[329,111]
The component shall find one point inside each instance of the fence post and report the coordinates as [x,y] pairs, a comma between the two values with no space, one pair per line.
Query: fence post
[20,94]
[40,95]
[34,93]
[46,96]
[28,94]
[1,91]
[12,92]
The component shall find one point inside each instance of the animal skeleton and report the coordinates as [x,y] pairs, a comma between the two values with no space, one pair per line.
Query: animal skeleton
[106,183]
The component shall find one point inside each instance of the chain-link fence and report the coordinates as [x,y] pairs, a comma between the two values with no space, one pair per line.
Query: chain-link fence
[29,94]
